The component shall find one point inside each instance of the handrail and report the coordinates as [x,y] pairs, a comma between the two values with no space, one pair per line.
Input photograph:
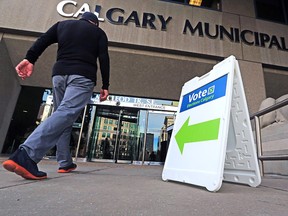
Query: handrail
[256,116]
[270,109]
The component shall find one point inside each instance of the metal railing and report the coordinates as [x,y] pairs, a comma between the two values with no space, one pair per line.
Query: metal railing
[260,155]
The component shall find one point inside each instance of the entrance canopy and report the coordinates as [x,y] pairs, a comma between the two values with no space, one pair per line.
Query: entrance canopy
[134,71]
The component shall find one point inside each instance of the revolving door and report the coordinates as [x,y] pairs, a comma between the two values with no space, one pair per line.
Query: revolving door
[113,134]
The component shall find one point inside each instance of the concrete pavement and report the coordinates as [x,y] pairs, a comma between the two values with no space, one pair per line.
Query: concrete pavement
[132,190]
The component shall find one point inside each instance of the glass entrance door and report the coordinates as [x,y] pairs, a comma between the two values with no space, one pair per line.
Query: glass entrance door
[113,134]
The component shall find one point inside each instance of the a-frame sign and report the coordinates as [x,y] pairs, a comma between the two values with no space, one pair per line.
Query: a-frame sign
[212,139]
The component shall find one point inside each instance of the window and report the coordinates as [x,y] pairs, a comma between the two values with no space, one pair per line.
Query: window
[275,10]
[213,4]
[195,2]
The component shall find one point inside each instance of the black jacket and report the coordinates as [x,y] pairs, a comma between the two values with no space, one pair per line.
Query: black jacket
[80,43]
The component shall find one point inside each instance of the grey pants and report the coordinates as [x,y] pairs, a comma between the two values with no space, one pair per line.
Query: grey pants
[70,95]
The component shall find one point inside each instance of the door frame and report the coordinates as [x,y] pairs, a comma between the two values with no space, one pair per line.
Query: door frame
[116,151]
[120,111]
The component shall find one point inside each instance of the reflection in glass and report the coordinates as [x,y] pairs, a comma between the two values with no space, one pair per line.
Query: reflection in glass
[113,133]
[130,135]
[156,135]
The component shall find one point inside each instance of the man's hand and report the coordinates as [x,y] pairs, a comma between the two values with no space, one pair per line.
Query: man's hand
[24,69]
[104,93]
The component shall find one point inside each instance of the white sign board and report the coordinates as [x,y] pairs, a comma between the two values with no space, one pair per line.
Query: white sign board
[212,138]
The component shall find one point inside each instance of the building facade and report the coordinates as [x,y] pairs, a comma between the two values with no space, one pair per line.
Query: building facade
[155,46]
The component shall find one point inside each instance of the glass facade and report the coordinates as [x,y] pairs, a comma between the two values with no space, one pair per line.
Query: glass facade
[121,129]
[276,10]
[112,133]
[128,134]
[212,4]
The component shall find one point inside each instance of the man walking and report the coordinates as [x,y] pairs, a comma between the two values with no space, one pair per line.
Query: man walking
[80,44]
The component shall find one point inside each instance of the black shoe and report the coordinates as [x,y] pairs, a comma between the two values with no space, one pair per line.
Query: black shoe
[20,163]
[67,169]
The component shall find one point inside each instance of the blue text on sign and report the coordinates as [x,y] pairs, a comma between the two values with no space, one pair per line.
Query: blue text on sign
[205,94]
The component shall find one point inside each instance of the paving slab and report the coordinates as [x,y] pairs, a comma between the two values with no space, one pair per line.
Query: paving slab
[129,190]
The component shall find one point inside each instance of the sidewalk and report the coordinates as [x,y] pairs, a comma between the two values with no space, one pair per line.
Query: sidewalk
[132,190]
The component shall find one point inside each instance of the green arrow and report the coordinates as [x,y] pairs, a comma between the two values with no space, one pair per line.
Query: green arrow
[203,131]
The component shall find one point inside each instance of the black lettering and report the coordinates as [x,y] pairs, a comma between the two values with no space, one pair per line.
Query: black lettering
[133,18]
[97,9]
[256,37]
[243,37]
[164,22]
[274,42]
[148,19]
[283,44]
[207,31]
[237,35]
[224,31]
[264,38]
[110,13]
[193,30]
